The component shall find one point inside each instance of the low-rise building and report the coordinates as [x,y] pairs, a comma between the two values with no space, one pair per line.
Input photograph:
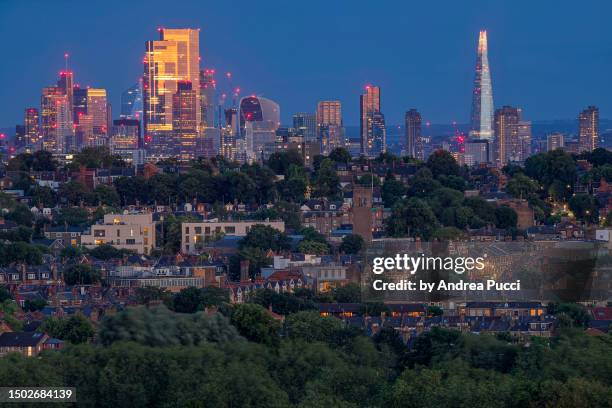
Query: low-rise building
[194,235]
[135,232]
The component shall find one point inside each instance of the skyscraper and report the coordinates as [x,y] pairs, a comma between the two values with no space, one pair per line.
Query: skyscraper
[32,128]
[125,138]
[208,87]
[373,141]
[588,129]
[329,125]
[173,58]
[414,143]
[56,123]
[482,95]
[524,135]
[66,84]
[131,102]
[305,125]
[508,146]
[258,120]
[184,121]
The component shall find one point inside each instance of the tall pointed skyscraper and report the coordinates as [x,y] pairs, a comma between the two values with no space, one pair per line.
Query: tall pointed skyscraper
[482,96]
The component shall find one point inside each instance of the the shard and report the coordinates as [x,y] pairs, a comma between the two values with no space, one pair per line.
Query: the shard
[482,97]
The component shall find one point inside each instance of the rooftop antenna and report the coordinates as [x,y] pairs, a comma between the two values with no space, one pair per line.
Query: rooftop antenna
[66,56]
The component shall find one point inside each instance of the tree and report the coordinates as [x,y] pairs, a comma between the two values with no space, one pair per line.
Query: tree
[584,207]
[340,155]
[442,163]
[351,244]
[255,323]
[521,186]
[392,190]
[350,293]
[21,214]
[309,326]
[412,217]
[313,247]
[280,162]
[34,305]
[265,237]
[75,329]
[326,181]
[107,251]
[74,193]
[506,217]
[81,274]
[72,216]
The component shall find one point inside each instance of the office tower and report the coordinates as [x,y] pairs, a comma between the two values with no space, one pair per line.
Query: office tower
[98,107]
[373,141]
[414,143]
[259,118]
[228,134]
[524,135]
[329,125]
[305,125]
[482,96]
[208,143]
[507,143]
[32,128]
[56,123]
[125,138]
[66,84]
[172,58]
[207,95]
[588,129]
[184,121]
[131,102]
[91,112]
[554,141]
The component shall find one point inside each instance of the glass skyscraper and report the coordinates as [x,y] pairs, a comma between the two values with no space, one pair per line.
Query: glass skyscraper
[482,96]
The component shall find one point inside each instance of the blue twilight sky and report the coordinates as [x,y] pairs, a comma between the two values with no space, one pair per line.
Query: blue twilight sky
[550,57]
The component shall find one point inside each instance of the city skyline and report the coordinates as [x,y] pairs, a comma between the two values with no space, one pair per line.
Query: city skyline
[438,83]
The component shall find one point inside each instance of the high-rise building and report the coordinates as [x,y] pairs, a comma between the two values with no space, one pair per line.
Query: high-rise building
[305,125]
[173,58]
[373,141]
[91,113]
[228,134]
[329,125]
[588,129]
[259,118]
[508,146]
[66,84]
[184,121]
[20,137]
[56,123]
[524,135]
[555,141]
[482,95]
[131,102]
[32,128]
[207,95]
[414,142]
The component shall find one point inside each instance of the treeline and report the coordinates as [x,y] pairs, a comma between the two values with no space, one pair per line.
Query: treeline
[245,357]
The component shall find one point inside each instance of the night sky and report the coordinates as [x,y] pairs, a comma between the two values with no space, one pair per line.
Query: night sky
[551,58]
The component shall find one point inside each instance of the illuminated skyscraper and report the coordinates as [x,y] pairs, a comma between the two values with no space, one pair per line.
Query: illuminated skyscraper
[184,121]
[588,129]
[56,123]
[173,58]
[32,128]
[373,141]
[482,96]
[91,112]
[329,125]
[66,84]
[259,118]
[131,102]
[306,126]
[507,142]
[524,134]
[207,96]
[414,142]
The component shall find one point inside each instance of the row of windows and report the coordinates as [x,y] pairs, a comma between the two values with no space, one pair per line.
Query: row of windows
[207,230]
